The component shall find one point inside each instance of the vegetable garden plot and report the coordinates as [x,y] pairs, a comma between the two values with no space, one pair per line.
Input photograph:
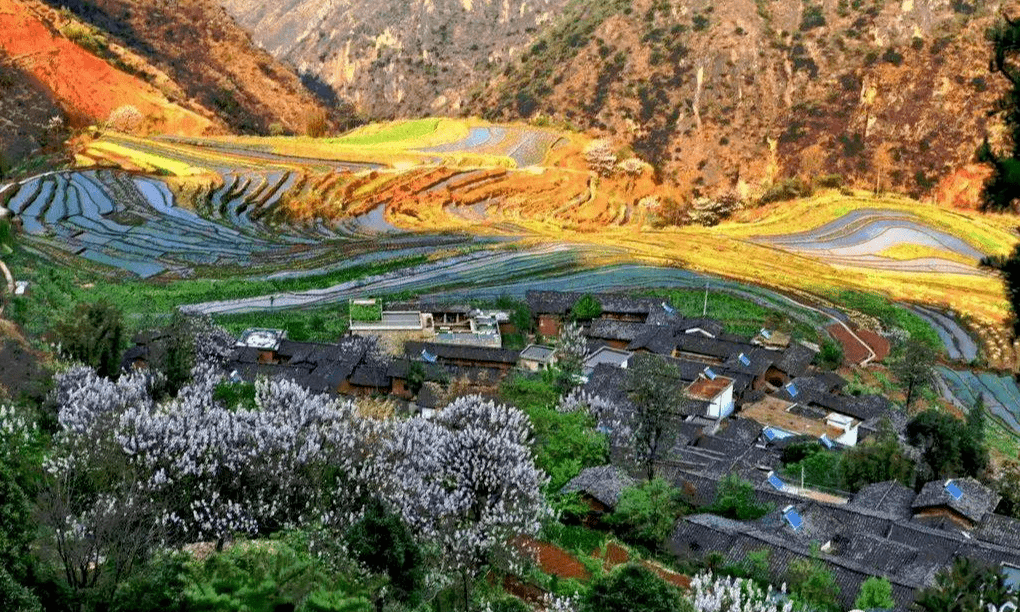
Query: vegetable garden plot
[1002,398]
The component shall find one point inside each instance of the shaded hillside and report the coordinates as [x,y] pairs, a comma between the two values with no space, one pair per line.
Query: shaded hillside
[396,57]
[739,93]
[31,120]
[194,53]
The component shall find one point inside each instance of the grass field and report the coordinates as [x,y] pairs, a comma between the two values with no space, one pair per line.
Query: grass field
[55,290]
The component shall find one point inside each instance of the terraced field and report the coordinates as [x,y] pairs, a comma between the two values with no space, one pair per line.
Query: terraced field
[300,199]
[883,239]
[1001,395]
[133,223]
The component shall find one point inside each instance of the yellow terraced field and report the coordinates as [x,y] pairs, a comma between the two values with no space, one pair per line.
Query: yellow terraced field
[559,202]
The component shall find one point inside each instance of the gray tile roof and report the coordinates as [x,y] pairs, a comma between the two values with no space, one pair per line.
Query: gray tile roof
[611,329]
[479,354]
[998,529]
[560,302]
[889,497]
[795,360]
[977,501]
[536,352]
[604,483]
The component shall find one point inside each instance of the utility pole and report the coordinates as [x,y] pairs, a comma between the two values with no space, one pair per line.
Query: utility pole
[704,309]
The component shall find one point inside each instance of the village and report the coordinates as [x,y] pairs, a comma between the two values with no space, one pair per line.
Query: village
[739,402]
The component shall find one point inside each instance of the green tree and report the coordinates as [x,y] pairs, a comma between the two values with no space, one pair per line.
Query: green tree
[1009,269]
[877,460]
[649,511]
[813,584]
[946,445]
[566,443]
[831,355]
[15,597]
[735,499]
[1008,486]
[875,593]
[585,308]
[915,369]
[93,334]
[271,576]
[158,586]
[383,543]
[973,452]
[17,527]
[634,588]
[178,353]
[1003,186]
[655,387]
[967,586]
[415,377]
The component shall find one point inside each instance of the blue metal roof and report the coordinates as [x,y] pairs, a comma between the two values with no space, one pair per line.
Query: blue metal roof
[954,490]
[427,356]
[792,390]
[775,482]
[744,359]
[826,442]
[710,374]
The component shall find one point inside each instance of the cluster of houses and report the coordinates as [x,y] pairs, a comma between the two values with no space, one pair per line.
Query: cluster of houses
[740,400]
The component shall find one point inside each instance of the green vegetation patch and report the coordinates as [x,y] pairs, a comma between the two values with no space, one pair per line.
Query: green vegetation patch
[366,312]
[56,289]
[405,130]
[325,324]
[891,315]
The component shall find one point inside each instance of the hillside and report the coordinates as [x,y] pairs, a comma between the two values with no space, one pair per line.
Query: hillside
[733,93]
[207,59]
[397,57]
[719,94]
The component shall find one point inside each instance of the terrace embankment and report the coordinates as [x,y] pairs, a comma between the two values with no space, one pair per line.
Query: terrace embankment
[465,178]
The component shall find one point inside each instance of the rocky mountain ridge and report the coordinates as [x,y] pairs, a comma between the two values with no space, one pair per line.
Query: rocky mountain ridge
[721,95]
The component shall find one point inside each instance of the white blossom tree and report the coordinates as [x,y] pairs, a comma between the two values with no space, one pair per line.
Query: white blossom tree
[727,594]
[572,348]
[467,481]
[601,157]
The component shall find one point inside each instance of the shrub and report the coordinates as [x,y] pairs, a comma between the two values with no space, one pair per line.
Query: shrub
[317,124]
[383,543]
[788,189]
[601,157]
[831,355]
[813,17]
[585,308]
[875,593]
[92,334]
[126,118]
[648,511]
[735,499]
[634,588]
[812,583]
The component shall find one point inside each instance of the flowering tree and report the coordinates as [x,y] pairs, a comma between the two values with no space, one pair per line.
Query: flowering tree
[572,348]
[601,157]
[206,471]
[467,481]
[727,594]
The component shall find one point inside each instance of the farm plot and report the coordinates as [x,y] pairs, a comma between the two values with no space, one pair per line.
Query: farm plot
[884,239]
[1001,394]
[132,223]
[527,147]
[960,346]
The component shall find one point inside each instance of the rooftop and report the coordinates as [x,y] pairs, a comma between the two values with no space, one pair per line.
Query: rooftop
[976,500]
[775,412]
[262,338]
[538,352]
[708,389]
[604,483]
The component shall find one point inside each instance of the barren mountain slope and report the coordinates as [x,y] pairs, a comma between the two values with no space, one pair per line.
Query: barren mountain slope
[725,94]
[396,57]
[205,58]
